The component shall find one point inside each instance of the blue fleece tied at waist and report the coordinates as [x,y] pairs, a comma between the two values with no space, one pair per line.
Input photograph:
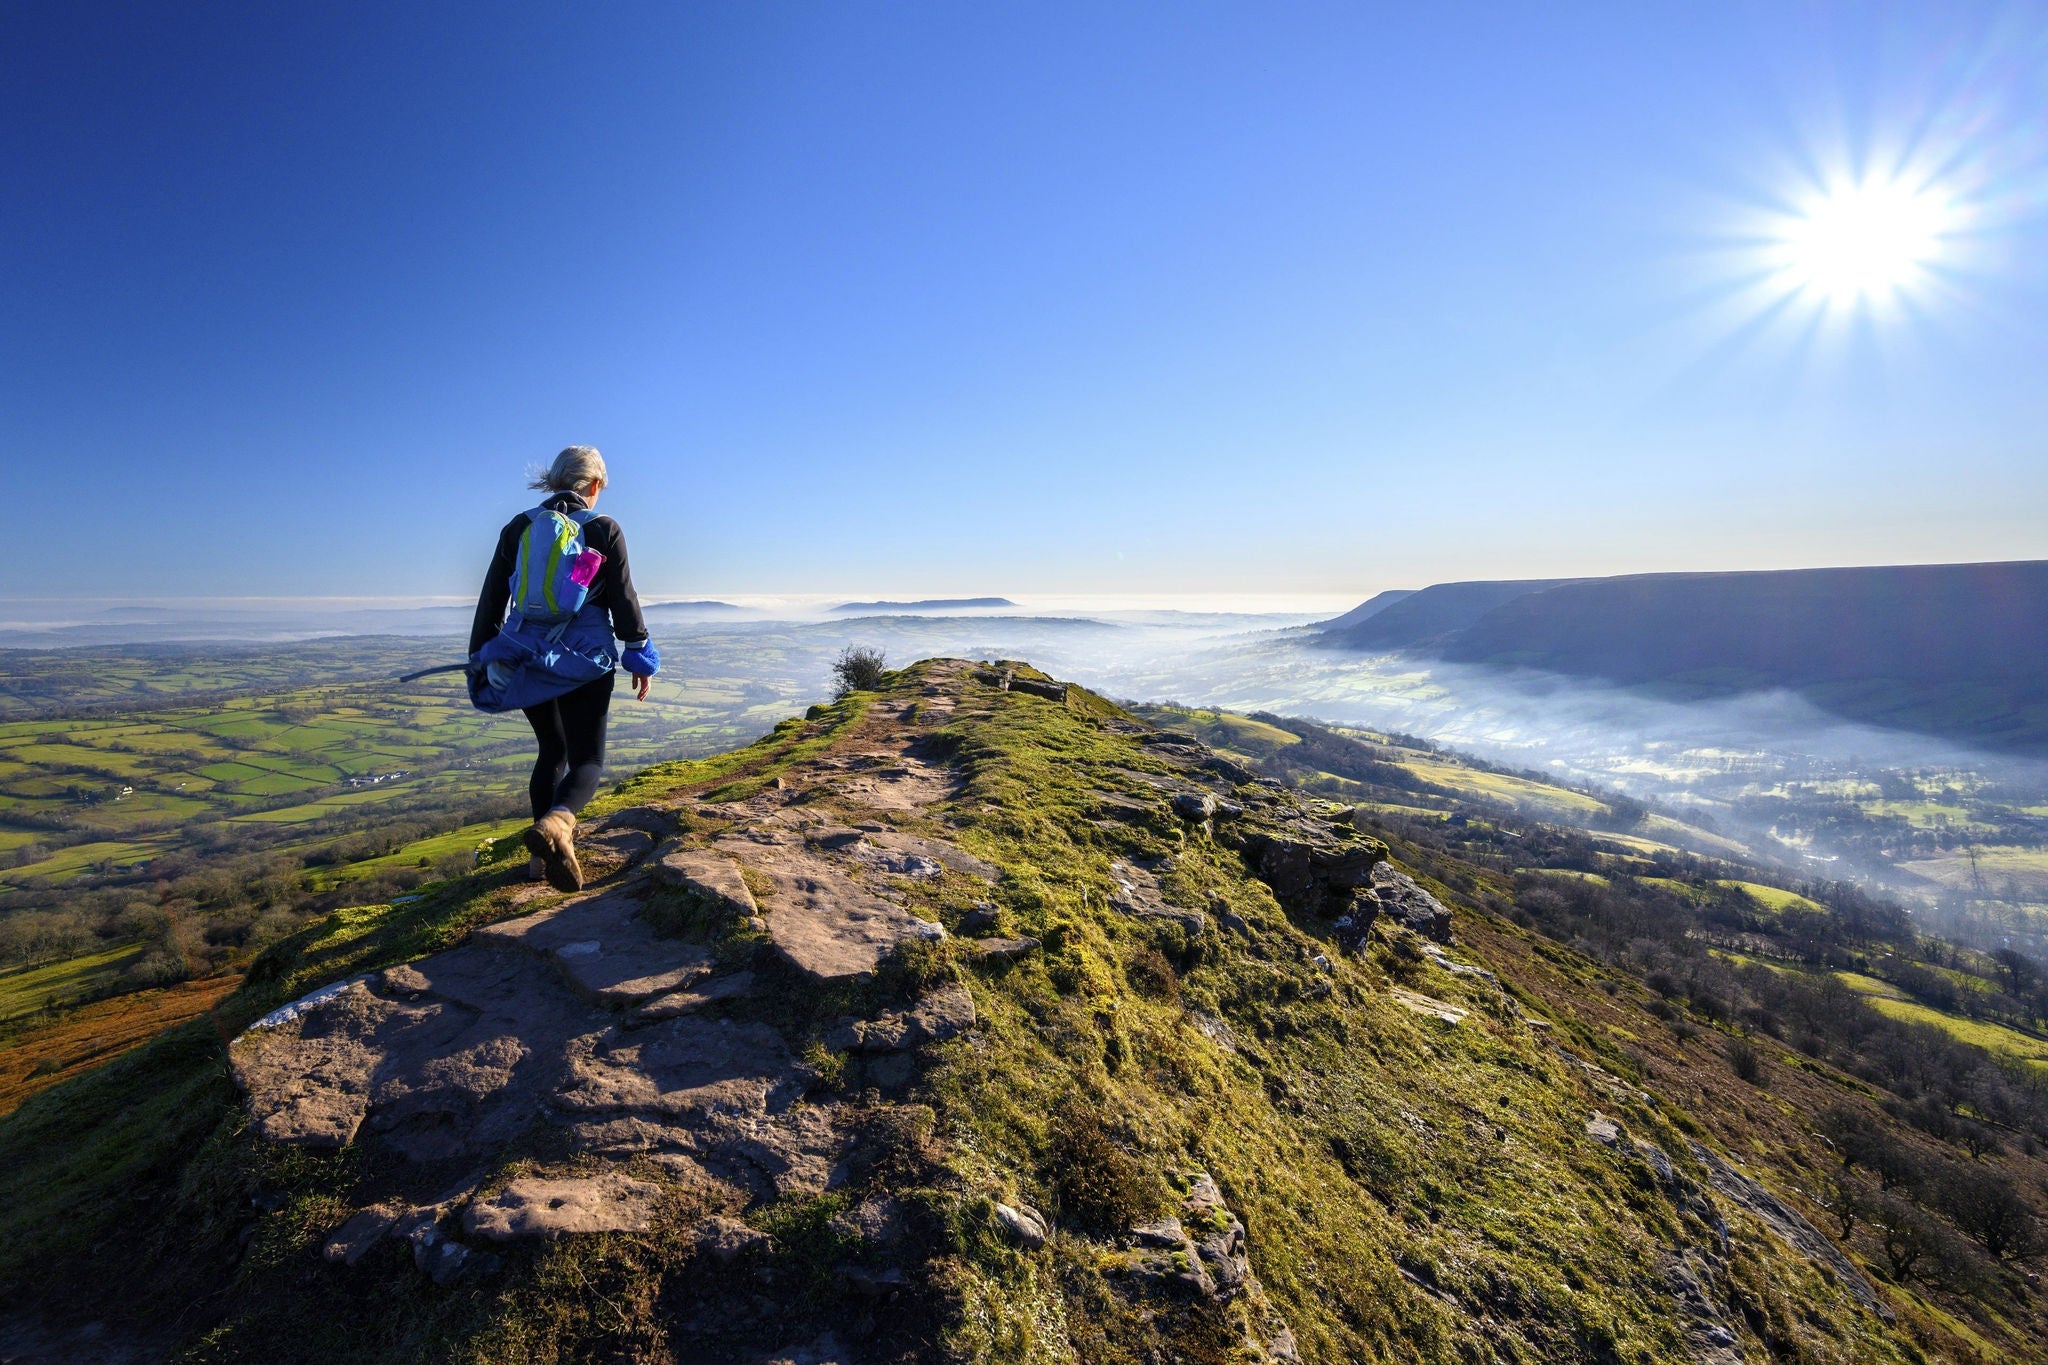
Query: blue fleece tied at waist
[527,663]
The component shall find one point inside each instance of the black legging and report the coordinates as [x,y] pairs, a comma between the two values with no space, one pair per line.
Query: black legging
[571,733]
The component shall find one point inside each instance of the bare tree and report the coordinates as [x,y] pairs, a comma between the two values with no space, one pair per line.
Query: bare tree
[859,668]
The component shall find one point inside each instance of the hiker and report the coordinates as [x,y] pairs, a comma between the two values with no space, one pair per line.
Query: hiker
[557,592]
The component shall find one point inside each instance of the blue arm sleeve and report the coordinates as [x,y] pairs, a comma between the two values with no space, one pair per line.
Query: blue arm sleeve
[642,660]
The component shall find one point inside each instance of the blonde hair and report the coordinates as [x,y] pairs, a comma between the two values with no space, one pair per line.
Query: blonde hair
[577,467]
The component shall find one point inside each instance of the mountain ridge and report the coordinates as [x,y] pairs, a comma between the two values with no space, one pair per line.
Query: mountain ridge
[1951,650]
[1372,606]
[1062,1035]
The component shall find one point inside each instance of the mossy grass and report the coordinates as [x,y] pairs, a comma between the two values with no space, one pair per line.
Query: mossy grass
[1365,1147]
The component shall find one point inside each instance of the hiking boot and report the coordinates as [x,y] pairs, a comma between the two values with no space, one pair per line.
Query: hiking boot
[536,867]
[553,840]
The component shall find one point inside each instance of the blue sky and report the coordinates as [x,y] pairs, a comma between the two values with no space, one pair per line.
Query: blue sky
[910,299]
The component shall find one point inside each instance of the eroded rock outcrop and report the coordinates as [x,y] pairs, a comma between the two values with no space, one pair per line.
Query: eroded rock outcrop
[1203,1252]
[1315,867]
[1138,894]
[1401,899]
[1789,1226]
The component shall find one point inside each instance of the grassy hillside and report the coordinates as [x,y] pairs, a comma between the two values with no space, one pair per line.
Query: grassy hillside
[1572,1133]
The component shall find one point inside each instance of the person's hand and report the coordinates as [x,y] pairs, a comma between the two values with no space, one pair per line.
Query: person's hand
[640,681]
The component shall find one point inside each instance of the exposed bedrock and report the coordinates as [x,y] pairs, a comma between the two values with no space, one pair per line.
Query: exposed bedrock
[635,1021]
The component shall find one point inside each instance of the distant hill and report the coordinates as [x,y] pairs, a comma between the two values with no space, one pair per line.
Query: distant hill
[1947,649]
[923,604]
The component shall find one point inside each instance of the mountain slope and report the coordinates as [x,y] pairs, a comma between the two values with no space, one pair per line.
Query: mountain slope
[1950,649]
[1370,607]
[1194,1072]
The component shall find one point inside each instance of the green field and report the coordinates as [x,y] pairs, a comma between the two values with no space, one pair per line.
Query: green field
[36,682]
[1926,814]
[1997,868]
[1396,808]
[1869,986]
[31,989]
[1536,799]
[1246,730]
[1596,878]
[123,791]
[1636,843]
[94,794]
[1775,898]
[1991,1037]
[1690,836]
[1751,960]
[1887,999]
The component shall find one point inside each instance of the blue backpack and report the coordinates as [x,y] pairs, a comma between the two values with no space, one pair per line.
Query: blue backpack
[555,569]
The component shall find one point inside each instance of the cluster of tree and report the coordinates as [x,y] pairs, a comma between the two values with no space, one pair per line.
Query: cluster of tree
[1950,1089]
[1943,1222]
[2005,986]
[2012,921]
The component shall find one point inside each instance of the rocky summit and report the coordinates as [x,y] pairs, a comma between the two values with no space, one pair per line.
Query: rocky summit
[968,1019]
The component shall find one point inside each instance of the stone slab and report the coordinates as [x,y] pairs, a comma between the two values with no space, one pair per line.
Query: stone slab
[945,1013]
[823,921]
[536,1207]
[713,876]
[1428,1005]
[686,1068]
[604,948]
[711,990]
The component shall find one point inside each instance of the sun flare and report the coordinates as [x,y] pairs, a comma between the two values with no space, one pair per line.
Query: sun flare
[1862,243]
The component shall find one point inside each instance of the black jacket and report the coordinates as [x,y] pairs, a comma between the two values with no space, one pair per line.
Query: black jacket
[613,589]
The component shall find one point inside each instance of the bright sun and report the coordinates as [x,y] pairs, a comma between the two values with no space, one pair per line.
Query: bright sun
[1862,243]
